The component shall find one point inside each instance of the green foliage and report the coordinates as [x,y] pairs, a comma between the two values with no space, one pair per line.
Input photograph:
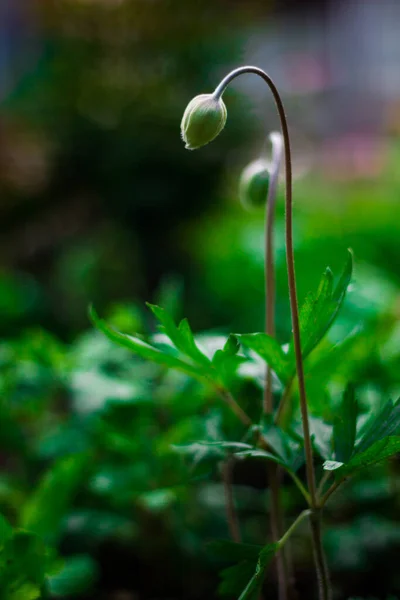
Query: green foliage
[181,336]
[377,441]
[269,350]
[319,310]
[316,316]
[345,426]
[45,509]
[24,564]
[76,577]
[244,579]
[385,423]
[378,451]
[143,349]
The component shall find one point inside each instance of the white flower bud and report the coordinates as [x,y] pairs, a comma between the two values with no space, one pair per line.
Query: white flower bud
[203,119]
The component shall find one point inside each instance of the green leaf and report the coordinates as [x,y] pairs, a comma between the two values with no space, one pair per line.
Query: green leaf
[345,425]
[258,453]
[287,448]
[253,588]
[379,451]
[6,530]
[235,578]
[143,349]
[235,446]
[181,336]
[27,591]
[23,565]
[319,310]
[232,345]
[247,576]
[199,452]
[76,577]
[226,361]
[321,434]
[46,506]
[269,350]
[385,423]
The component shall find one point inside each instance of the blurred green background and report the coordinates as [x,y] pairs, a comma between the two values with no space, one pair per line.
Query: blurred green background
[101,203]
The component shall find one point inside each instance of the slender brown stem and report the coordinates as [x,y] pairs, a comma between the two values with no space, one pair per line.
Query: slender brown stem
[277,153]
[276,526]
[290,262]
[276,516]
[325,592]
[231,514]
[322,572]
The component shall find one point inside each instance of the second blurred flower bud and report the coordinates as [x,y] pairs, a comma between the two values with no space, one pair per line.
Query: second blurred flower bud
[254,184]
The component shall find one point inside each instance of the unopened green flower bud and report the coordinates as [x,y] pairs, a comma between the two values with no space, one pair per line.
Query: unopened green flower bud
[254,184]
[203,119]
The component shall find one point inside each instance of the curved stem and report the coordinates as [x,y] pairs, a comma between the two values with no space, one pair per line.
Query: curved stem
[290,262]
[316,535]
[294,525]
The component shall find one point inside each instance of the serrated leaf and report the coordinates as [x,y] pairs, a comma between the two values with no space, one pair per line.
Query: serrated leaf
[380,450]
[319,310]
[46,506]
[385,423]
[345,425]
[181,336]
[269,350]
[226,361]
[143,349]
[232,345]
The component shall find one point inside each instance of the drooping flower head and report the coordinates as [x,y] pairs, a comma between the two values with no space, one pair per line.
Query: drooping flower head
[203,119]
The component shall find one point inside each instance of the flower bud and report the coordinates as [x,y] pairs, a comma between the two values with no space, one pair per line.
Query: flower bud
[203,119]
[254,184]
